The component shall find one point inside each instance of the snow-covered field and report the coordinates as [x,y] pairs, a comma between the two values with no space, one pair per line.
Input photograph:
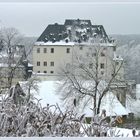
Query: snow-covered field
[48,93]
[124,132]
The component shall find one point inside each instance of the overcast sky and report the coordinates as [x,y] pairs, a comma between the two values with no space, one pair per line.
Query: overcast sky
[32,18]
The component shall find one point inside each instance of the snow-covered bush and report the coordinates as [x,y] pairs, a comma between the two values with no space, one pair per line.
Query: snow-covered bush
[31,119]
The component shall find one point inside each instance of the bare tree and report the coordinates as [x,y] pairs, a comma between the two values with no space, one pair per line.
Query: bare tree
[12,54]
[31,85]
[91,75]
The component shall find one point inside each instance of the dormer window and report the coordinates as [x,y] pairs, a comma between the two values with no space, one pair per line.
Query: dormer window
[53,40]
[66,40]
[79,41]
[46,39]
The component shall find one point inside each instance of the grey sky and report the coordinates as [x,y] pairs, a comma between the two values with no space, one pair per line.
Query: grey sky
[32,18]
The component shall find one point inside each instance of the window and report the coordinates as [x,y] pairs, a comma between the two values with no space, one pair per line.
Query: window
[51,71]
[38,72]
[68,50]
[38,50]
[102,54]
[45,63]
[91,65]
[38,63]
[102,66]
[81,48]
[93,54]
[102,72]
[51,63]
[45,71]
[52,50]
[45,50]
[114,48]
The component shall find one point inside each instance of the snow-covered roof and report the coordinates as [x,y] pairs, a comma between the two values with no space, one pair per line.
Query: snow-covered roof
[73,29]
[113,106]
[96,44]
[4,55]
[58,43]
[4,65]
[63,43]
[30,65]
[117,57]
[48,94]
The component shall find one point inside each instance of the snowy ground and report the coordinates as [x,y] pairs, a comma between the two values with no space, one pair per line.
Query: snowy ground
[124,132]
[48,94]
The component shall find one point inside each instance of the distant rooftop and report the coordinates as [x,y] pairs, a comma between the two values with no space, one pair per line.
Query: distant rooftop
[74,30]
[77,22]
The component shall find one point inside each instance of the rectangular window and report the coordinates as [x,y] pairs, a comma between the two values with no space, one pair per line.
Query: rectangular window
[38,50]
[102,72]
[93,54]
[45,50]
[81,48]
[45,63]
[51,63]
[102,66]
[91,65]
[114,48]
[45,71]
[38,63]
[52,50]
[51,71]
[68,50]
[102,54]
[38,72]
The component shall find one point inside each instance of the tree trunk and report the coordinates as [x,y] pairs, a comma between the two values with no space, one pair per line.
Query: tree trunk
[99,104]
[94,107]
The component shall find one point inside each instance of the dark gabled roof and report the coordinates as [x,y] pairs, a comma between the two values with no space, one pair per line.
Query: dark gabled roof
[72,22]
[53,32]
[99,29]
[76,30]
